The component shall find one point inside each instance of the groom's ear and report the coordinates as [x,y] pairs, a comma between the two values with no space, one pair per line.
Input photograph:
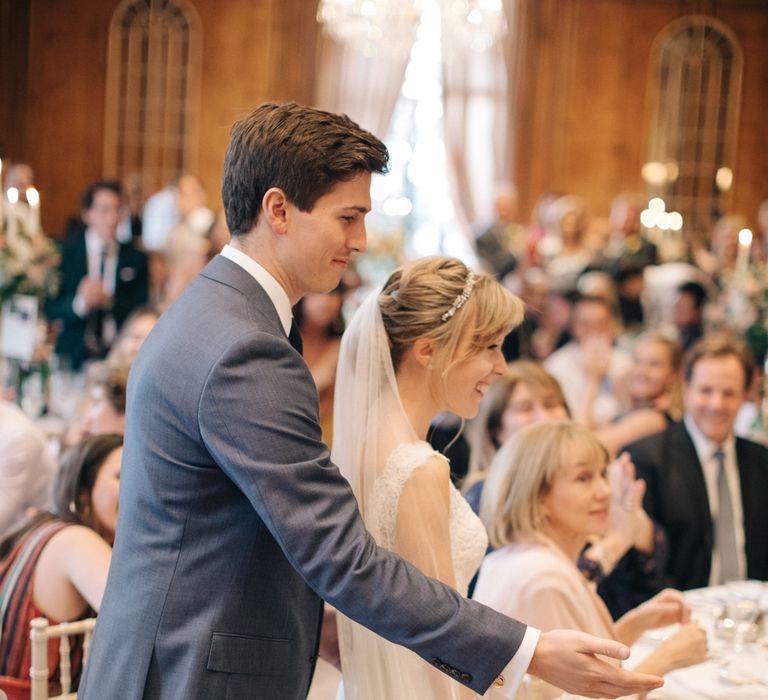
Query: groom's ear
[274,207]
[424,351]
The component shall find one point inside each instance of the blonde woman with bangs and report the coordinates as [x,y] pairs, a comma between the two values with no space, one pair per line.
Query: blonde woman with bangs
[428,341]
[546,495]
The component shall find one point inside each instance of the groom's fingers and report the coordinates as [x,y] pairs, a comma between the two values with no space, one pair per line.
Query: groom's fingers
[604,647]
[571,660]
[615,681]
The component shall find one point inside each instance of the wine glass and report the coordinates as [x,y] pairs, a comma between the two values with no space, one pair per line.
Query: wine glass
[743,608]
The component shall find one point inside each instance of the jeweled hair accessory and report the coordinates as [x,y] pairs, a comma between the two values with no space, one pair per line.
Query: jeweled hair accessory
[461,299]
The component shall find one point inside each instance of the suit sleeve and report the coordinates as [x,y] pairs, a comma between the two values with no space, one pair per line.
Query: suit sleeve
[60,306]
[276,457]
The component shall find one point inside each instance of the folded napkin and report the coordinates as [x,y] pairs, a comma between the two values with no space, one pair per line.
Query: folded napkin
[708,681]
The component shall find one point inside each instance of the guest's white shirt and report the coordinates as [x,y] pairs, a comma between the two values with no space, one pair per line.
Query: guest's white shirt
[705,450]
[566,366]
[514,671]
[95,246]
[26,466]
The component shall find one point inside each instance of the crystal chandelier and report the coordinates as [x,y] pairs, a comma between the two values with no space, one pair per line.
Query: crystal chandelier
[476,24]
[372,26]
[375,26]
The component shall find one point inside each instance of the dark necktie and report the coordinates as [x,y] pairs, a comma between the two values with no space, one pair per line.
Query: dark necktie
[294,338]
[725,529]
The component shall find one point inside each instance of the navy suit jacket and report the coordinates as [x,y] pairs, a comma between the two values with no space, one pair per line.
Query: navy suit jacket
[676,498]
[234,524]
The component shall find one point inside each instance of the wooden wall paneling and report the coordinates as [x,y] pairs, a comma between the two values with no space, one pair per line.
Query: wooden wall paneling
[65,106]
[14,49]
[749,21]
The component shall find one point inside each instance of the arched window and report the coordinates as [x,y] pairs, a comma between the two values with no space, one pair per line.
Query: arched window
[696,86]
[153,91]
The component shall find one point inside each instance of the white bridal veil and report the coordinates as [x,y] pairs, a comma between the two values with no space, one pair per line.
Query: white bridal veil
[370,425]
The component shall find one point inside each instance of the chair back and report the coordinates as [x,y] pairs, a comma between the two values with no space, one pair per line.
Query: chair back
[39,673]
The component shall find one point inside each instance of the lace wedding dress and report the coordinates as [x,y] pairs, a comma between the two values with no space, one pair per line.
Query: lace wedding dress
[378,451]
[468,539]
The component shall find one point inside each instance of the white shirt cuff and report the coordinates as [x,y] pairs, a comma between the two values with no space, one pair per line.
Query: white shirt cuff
[515,670]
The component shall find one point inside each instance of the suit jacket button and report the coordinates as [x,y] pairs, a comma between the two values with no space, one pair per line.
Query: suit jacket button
[466,677]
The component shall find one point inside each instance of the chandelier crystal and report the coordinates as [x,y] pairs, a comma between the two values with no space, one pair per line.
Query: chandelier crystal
[372,26]
[476,24]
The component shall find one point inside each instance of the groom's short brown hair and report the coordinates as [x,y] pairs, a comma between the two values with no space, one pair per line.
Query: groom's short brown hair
[302,150]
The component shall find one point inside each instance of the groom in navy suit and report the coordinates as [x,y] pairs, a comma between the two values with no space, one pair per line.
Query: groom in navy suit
[234,524]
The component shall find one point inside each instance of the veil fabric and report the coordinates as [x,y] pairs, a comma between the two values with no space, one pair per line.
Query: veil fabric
[372,433]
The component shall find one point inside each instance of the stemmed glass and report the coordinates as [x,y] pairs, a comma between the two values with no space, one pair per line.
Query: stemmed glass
[743,608]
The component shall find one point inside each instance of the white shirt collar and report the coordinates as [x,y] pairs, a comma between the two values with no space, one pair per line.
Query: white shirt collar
[706,448]
[275,292]
[95,243]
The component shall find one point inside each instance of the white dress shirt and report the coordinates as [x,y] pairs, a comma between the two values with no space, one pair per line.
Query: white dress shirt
[515,670]
[277,295]
[566,366]
[705,450]
[94,245]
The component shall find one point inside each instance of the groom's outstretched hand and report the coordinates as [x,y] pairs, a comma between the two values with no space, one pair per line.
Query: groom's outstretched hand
[567,659]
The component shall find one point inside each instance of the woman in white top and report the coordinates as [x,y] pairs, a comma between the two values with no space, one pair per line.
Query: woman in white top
[429,341]
[547,492]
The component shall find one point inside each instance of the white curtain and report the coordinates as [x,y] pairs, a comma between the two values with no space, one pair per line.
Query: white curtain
[474,97]
[365,88]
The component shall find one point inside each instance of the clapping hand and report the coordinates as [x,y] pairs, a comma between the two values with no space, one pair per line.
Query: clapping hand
[627,517]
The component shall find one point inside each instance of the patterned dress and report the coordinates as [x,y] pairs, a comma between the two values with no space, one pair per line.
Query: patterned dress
[17,610]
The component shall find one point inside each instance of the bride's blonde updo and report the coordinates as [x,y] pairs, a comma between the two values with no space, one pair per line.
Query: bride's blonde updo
[417,299]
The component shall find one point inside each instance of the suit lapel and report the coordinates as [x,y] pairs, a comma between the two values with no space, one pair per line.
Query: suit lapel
[683,452]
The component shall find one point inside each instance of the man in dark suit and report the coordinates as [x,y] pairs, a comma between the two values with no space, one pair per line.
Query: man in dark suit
[707,488]
[102,280]
[234,524]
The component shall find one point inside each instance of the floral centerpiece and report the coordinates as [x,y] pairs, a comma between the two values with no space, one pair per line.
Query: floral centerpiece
[28,274]
[28,261]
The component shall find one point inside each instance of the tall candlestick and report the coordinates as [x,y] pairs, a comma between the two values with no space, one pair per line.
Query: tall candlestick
[33,199]
[742,258]
[12,196]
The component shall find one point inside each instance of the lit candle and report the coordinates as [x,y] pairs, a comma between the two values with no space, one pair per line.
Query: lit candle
[12,195]
[742,258]
[33,199]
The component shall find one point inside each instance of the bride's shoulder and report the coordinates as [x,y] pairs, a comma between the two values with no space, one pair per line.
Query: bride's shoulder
[414,456]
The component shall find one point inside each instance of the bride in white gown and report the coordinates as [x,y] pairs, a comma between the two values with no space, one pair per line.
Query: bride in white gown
[429,341]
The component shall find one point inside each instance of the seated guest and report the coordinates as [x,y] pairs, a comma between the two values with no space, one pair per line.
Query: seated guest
[688,312]
[26,466]
[526,394]
[627,560]
[707,488]
[133,333]
[55,563]
[565,254]
[627,246]
[321,324]
[591,367]
[653,394]
[102,280]
[546,495]
[103,411]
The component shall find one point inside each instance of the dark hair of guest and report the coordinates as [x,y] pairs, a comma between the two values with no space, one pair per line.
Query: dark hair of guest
[72,486]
